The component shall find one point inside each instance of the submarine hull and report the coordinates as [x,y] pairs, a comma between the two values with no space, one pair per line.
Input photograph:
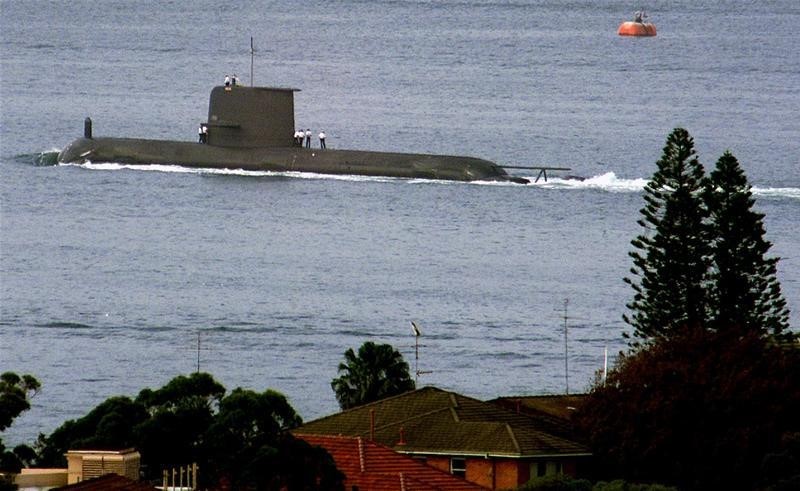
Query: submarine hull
[283,159]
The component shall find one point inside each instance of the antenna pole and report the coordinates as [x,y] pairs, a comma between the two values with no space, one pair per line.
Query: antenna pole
[198,351]
[252,52]
[416,358]
[566,347]
[417,334]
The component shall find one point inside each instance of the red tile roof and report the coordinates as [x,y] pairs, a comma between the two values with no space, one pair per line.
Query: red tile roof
[373,467]
[108,482]
[434,421]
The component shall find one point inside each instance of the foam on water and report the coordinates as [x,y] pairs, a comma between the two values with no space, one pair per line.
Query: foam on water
[604,182]
[109,166]
[793,193]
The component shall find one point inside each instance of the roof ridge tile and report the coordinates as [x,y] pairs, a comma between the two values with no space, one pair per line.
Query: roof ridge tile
[513,438]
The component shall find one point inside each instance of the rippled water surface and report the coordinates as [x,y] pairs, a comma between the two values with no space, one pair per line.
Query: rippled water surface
[110,275]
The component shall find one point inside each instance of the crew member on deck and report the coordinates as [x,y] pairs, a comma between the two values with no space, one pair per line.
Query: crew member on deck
[203,133]
[227,81]
[308,137]
[322,139]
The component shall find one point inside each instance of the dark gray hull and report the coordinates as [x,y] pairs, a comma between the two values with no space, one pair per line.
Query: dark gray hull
[283,159]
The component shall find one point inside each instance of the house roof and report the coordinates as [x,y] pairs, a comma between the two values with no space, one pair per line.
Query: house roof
[107,482]
[553,412]
[434,421]
[559,406]
[369,465]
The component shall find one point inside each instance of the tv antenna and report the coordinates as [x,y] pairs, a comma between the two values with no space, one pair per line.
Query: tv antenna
[252,55]
[417,334]
[199,348]
[566,346]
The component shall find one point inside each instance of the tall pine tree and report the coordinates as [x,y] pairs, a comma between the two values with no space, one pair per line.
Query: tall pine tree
[745,291]
[671,262]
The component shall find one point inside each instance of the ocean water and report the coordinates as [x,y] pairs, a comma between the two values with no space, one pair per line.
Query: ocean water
[115,278]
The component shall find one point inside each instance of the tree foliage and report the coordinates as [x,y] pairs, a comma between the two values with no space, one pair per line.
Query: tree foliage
[253,449]
[699,410]
[198,390]
[745,292]
[559,482]
[15,393]
[241,439]
[178,414]
[111,425]
[709,399]
[672,258]
[701,262]
[377,372]
[563,482]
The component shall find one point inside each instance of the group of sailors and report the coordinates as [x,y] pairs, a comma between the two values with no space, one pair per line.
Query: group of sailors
[300,136]
[230,81]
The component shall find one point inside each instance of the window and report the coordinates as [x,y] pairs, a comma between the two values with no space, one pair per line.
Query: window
[547,468]
[458,466]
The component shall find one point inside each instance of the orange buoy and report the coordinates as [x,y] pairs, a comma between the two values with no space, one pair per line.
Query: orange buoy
[632,28]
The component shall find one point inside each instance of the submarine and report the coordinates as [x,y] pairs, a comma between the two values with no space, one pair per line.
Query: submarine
[252,128]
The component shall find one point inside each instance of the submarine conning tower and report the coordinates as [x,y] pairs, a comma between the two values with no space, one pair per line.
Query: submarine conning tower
[251,117]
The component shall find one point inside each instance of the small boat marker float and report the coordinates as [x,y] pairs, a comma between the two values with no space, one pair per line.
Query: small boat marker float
[637,27]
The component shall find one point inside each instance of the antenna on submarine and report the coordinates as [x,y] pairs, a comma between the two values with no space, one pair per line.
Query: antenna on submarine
[252,55]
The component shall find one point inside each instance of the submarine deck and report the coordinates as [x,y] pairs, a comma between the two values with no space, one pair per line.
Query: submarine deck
[283,159]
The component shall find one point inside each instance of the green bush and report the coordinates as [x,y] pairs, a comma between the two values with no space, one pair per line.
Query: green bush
[620,485]
[557,483]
